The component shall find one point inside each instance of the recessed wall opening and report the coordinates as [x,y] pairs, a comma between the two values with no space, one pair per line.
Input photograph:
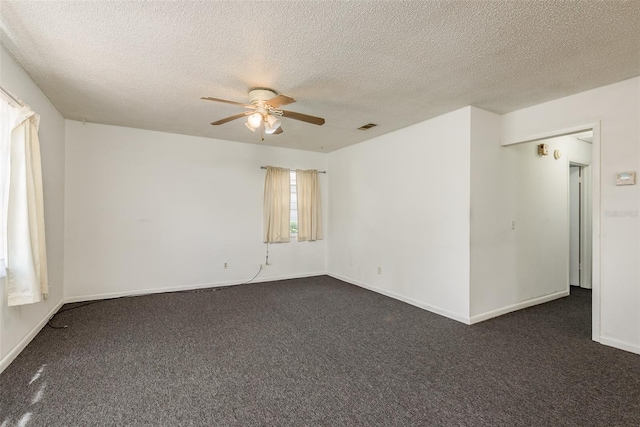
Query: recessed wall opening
[580,227]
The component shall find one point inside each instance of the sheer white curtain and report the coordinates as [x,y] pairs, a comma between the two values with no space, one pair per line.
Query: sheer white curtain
[309,206]
[26,257]
[277,205]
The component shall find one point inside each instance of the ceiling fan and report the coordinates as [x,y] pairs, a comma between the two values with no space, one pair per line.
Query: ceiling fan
[264,111]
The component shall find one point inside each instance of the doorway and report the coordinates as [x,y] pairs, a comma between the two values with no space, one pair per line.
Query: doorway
[589,197]
[580,232]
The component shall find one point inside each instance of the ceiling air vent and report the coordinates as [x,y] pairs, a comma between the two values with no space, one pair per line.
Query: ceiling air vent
[367,126]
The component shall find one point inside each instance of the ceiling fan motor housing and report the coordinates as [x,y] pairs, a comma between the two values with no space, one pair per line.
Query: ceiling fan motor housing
[260,95]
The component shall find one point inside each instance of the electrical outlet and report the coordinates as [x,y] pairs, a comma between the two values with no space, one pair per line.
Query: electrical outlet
[225,265]
[379,270]
[513,224]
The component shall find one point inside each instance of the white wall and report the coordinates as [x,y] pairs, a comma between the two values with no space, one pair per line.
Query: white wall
[542,216]
[493,206]
[542,223]
[18,325]
[616,282]
[401,202]
[150,211]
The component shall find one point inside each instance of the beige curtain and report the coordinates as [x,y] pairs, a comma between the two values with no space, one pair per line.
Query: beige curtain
[27,277]
[277,205]
[309,206]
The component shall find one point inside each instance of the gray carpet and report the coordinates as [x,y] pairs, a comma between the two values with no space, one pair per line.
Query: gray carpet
[312,352]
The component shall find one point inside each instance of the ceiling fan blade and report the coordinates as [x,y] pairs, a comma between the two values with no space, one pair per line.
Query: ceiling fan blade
[279,130]
[228,119]
[303,117]
[280,100]
[206,98]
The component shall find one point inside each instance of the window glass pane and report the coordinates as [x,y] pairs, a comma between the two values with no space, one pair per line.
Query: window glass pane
[293,223]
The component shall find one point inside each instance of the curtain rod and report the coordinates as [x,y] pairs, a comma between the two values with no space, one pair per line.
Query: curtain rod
[11,97]
[264,167]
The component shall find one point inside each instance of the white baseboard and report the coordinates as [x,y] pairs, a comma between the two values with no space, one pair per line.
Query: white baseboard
[519,306]
[622,345]
[138,292]
[428,307]
[15,351]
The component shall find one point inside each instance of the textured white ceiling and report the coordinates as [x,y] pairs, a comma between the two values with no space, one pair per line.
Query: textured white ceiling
[146,64]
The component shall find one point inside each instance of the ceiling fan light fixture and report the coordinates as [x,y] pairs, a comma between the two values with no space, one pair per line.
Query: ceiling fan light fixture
[254,120]
[252,129]
[272,123]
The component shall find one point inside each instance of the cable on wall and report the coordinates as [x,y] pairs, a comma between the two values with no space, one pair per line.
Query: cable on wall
[266,258]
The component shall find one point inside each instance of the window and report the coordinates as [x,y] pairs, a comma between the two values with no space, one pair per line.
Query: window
[293,224]
[22,214]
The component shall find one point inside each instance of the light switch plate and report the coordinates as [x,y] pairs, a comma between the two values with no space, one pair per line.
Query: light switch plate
[626,178]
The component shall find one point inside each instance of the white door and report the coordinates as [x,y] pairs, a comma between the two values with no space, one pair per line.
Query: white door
[574,225]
